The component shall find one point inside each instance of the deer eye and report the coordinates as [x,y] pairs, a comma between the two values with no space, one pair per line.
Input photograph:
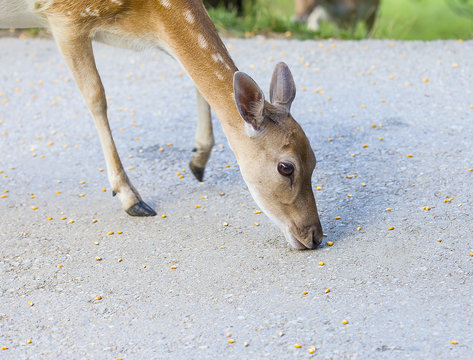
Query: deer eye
[285,169]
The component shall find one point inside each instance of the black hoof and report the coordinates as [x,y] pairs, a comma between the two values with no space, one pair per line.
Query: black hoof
[141,209]
[197,171]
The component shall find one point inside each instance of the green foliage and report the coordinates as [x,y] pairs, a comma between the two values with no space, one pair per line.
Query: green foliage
[397,19]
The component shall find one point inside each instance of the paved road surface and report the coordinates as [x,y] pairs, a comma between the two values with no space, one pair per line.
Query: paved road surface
[404,293]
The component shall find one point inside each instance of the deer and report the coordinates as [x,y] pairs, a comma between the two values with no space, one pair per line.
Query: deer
[344,13]
[274,155]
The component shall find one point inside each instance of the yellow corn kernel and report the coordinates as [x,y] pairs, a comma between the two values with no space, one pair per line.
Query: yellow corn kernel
[82,182]
[245,344]
[59,265]
[110,233]
[97,298]
[391,228]
[470,253]
[337,217]
[4,347]
[321,263]
[231,341]
[119,232]
[388,209]
[409,155]
[94,221]
[358,228]
[163,216]
[29,341]
[344,322]
[425,79]
[35,208]
[98,258]
[297,346]
[50,218]
[173,267]
[63,218]
[330,243]
[426,208]
[453,342]
[381,138]
[120,259]
[256,224]
[365,146]
[327,291]
[304,293]
[96,242]
[319,188]
[311,349]
[439,240]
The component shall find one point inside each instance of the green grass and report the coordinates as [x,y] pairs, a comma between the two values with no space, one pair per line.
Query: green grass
[397,19]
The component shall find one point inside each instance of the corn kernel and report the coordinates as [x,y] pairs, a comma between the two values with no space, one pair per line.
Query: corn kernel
[319,188]
[358,228]
[426,208]
[98,258]
[304,293]
[344,322]
[3,196]
[245,344]
[311,350]
[256,224]
[120,259]
[119,232]
[381,138]
[29,341]
[439,240]
[327,291]
[97,298]
[409,155]
[96,242]
[321,263]
[337,217]
[4,347]
[63,218]
[94,221]
[425,80]
[30,303]
[391,228]
[330,243]
[173,267]
[50,218]
[470,253]
[163,216]
[453,342]
[59,265]
[110,233]
[297,346]
[231,341]
[365,146]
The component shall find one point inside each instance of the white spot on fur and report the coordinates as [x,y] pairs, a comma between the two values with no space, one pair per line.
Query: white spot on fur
[217,57]
[227,66]
[165,3]
[218,75]
[118,2]
[189,16]
[202,42]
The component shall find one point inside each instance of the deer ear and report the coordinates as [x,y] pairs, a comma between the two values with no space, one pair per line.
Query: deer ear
[249,100]
[283,89]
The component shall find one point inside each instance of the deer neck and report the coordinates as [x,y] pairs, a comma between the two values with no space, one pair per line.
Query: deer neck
[192,38]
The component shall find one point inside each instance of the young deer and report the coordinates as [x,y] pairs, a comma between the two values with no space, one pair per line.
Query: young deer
[273,152]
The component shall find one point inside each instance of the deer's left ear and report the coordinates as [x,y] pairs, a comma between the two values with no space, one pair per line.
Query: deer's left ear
[283,89]
[249,100]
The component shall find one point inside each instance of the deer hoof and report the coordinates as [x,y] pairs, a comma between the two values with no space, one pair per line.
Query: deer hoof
[197,171]
[141,209]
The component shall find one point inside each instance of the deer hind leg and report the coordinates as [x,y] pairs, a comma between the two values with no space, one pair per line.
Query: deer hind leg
[204,139]
[76,47]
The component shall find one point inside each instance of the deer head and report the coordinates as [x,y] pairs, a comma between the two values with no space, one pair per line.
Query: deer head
[276,160]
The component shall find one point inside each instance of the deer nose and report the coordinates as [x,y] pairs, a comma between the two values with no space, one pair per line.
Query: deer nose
[317,236]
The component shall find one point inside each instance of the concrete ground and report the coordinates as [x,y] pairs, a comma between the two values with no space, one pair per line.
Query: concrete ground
[183,286]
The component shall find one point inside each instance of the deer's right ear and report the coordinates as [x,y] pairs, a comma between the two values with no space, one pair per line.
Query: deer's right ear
[249,100]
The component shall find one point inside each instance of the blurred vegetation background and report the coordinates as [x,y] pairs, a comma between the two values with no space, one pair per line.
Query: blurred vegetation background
[396,19]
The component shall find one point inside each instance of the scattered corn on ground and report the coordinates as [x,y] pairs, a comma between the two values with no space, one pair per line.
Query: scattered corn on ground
[202,270]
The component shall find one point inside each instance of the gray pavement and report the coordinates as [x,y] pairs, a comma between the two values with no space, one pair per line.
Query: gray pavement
[182,286]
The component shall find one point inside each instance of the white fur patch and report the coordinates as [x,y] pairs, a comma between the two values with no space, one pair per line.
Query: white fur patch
[189,16]
[118,2]
[165,3]
[218,75]
[202,42]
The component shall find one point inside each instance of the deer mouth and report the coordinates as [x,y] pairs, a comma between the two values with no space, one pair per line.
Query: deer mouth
[291,239]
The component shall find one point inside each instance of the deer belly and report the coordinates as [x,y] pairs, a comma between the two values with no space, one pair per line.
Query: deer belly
[17,14]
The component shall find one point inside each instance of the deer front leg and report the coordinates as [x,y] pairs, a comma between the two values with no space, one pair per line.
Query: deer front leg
[204,139]
[76,48]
